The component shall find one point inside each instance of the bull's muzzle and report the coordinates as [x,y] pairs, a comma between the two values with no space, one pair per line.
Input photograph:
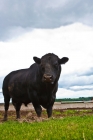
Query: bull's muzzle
[48,78]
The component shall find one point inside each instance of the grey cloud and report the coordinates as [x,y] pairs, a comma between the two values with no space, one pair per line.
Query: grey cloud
[79,78]
[43,14]
[88,72]
[74,80]
[79,88]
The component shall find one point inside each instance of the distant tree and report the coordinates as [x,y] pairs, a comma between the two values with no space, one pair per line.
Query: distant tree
[75,99]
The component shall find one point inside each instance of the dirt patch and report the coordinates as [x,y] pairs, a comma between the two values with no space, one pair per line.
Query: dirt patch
[28,114]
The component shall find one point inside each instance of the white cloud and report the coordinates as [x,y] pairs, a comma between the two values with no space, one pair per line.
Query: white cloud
[74,41]
[64,93]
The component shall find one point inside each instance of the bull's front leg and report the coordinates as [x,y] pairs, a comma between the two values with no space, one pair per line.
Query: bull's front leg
[50,105]
[49,111]
[38,109]
[35,101]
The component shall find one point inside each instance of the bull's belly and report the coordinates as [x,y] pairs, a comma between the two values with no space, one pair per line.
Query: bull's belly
[20,96]
[25,101]
[45,101]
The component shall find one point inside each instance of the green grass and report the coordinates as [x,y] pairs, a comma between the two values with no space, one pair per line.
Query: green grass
[76,112]
[68,128]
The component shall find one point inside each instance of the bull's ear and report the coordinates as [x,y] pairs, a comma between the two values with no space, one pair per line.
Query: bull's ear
[37,60]
[63,60]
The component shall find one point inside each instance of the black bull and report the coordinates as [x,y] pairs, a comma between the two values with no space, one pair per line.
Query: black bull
[37,84]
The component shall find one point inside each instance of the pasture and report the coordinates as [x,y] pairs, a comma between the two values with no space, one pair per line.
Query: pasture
[64,125]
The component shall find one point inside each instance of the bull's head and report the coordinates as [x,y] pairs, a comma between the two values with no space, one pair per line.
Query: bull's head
[50,67]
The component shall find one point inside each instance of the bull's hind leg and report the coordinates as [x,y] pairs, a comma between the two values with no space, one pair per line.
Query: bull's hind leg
[6,106]
[17,106]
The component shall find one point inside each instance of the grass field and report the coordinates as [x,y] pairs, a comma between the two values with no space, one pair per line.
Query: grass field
[71,127]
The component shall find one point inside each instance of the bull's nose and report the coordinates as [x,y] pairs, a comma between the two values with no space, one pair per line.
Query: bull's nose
[48,78]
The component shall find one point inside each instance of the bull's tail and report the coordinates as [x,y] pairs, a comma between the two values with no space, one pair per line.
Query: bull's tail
[6,97]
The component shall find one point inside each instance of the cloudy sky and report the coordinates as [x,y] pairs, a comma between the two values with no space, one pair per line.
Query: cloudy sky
[64,27]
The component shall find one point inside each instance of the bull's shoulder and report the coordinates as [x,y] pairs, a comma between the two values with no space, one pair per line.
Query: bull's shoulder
[34,66]
[35,70]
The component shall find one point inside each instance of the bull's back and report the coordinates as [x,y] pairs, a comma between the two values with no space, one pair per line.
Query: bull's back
[20,76]
[13,79]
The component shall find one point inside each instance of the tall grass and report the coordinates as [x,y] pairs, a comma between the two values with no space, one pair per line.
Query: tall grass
[68,128]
